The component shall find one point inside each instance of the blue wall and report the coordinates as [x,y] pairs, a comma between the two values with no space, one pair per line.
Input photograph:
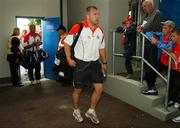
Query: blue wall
[171,10]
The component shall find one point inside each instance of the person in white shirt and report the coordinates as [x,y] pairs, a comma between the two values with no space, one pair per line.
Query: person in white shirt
[89,48]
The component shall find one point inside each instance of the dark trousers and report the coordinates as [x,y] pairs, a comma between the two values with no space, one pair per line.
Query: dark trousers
[14,69]
[37,68]
[150,54]
[128,65]
[128,52]
[174,87]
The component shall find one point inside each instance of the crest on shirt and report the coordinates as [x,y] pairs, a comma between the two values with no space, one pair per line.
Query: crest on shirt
[98,37]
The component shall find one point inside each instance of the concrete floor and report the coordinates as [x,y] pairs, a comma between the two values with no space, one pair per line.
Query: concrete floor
[49,106]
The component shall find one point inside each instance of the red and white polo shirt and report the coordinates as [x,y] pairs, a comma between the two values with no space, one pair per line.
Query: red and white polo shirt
[89,42]
[30,39]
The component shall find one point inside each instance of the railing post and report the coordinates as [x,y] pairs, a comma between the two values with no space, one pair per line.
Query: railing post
[142,59]
[168,82]
[113,57]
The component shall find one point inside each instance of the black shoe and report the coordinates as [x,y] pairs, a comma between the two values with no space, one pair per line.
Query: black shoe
[150,92]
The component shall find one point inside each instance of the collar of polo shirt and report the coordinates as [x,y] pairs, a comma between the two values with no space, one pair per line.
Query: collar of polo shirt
[86,24]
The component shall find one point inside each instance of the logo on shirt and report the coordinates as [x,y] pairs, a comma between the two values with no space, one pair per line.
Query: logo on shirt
[98,37]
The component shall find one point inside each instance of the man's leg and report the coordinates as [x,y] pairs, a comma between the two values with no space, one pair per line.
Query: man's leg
[76,97]
[91,113]
[128,67]
[98,88]
[31,74]
[151,56]
[38,72]
[14,73]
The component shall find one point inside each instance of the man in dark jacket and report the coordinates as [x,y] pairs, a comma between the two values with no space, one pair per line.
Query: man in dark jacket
[129,42]
[151,21]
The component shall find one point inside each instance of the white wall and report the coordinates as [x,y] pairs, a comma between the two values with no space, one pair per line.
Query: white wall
[65,13]
[9,9]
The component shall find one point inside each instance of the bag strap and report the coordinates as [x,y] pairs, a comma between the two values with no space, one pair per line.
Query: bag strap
[77,37]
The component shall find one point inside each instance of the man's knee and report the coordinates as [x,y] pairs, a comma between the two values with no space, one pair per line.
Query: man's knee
[98,88]
[77,91]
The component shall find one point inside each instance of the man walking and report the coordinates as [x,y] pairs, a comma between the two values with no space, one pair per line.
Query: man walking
[89,48]
[31,44]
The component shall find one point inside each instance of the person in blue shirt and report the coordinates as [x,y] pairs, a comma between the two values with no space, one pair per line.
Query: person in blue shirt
[162,40]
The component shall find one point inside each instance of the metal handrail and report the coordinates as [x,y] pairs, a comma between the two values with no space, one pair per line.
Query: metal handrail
[147,63]
[162,50]
[167,80]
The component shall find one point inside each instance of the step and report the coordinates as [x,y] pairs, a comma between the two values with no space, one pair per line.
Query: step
[129,91]
[163,114]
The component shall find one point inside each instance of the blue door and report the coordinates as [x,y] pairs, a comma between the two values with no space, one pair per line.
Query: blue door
[50,43]
[170,10]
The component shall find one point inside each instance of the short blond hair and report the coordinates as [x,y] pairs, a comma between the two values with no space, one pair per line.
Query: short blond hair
[88,9]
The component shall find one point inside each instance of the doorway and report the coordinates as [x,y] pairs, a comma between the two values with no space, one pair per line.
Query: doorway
[23,24]
[47,28]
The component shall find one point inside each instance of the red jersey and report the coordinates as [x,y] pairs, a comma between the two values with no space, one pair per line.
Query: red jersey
[177,54]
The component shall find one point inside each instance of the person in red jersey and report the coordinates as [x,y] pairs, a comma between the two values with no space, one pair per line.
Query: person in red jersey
[31,44]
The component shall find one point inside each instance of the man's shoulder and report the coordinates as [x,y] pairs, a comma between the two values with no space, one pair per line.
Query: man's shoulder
[157,12]
[75,29]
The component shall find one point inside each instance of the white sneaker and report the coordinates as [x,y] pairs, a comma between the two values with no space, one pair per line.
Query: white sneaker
[176,105]
[33,82]
[38,81]
[77,115]
[176,120]
[91,114]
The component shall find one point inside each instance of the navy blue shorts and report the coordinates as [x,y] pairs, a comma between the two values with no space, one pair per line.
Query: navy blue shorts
[85,72]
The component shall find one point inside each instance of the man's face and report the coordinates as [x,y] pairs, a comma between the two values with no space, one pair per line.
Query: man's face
[61,32]
[147,7]
[166,30]
[33,28]
[128,24]
[93,16]
[17,32]
[174,37]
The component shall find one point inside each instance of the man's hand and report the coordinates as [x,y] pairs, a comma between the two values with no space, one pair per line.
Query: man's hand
[139,29]
[71,63]
[154,41]
[37,43]
[104,67]
[170,49]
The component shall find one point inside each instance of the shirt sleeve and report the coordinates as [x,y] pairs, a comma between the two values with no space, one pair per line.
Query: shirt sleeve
[153,34]
[165,46]
[70,37]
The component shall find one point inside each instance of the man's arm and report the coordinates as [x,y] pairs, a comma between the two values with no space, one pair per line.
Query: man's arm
[161,44]
[38,43]
[67,50]
[28,46]
[103,58]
